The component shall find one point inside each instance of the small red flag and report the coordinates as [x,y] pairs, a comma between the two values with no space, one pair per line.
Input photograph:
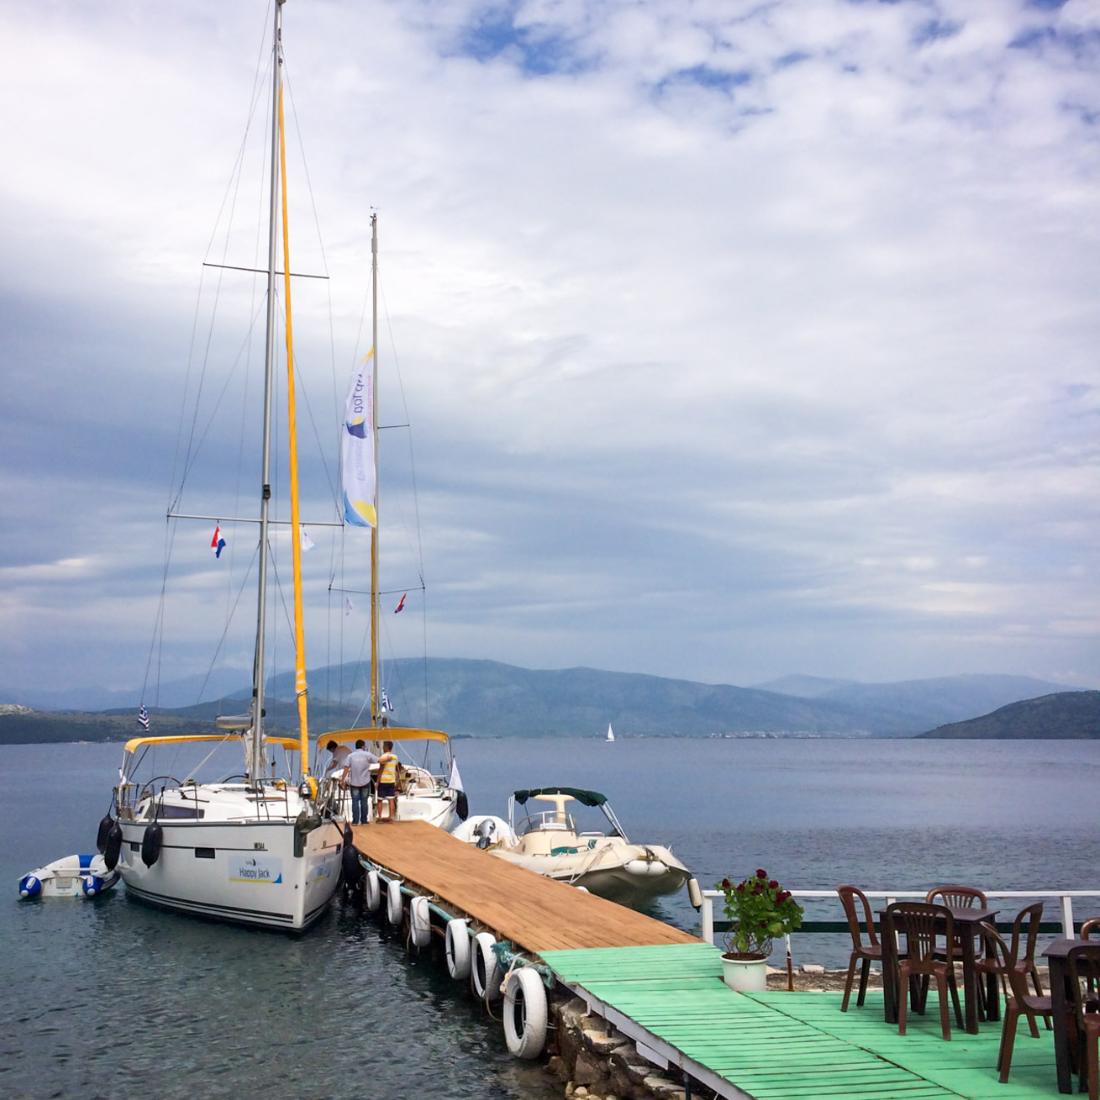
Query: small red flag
[400,603]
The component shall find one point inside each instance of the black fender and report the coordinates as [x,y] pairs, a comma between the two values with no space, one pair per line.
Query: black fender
[112,846]
[151,843]
[462,805]
[103,832]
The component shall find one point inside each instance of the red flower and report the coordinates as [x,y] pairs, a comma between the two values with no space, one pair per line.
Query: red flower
[782,896]
[761,873]
[740,887]
[726,884]
[773,885]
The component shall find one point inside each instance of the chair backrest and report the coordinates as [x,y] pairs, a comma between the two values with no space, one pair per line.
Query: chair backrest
[958,897]
[848,895]
[1031,916]
[1083,963]
[1091,925]
[1006,959]
[920,923]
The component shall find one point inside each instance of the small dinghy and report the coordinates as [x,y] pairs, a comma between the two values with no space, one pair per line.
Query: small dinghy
[80,876]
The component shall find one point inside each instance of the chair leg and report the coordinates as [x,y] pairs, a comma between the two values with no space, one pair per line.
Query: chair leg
[1008,1038]
[1034,971]
[1092,1041]
[941,990]
[865,973]
[1032,1026]
[903,1001]
[953,986]
[920,996]
[848,982]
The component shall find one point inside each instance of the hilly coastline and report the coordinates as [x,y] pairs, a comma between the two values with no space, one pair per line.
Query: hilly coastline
[491,699]
[1068,715]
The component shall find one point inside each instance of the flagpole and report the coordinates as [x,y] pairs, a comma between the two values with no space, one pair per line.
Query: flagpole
[374,671]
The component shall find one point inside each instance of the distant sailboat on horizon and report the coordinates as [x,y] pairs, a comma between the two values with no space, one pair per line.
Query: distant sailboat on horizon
[610,733]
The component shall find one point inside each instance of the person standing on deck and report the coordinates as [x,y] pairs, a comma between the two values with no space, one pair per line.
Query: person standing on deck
[358,778]
[338,761]
[387,781]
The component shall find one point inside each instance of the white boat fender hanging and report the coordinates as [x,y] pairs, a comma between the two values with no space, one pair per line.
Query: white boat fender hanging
[103,832]
[484,968]
[420,922]
[394,905]
[525,1013]
[695,894]
[643,867]
[112,849]
[151,843]
[372,891]
[456,944]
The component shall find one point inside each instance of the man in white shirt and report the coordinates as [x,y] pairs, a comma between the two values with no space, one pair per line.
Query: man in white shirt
[357,775]
[338,760]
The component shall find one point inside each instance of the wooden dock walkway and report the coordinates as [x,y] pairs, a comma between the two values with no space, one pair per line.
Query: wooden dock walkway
[534,912]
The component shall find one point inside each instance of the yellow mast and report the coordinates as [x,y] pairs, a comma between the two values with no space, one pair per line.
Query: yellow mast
[300,689]
[375,709]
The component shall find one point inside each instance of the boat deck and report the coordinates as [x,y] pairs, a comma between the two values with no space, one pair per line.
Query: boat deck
[788,1046]
[535,913]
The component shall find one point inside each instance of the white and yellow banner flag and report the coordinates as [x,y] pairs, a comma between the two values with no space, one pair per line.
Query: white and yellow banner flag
[357,451]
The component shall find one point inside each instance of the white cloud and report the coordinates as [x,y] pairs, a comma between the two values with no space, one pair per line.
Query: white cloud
[781,313]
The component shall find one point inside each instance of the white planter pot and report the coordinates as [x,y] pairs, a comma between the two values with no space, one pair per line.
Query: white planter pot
[745,975]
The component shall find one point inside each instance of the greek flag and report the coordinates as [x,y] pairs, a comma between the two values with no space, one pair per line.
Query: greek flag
[386,703]
[143,717]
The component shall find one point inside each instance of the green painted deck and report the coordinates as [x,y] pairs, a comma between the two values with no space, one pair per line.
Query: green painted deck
[782,1046]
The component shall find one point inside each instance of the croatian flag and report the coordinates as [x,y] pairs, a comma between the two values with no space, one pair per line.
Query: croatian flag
[400,603]
[143,717]
[217,543]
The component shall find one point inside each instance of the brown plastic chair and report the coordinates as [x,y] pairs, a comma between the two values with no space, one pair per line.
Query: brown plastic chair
[860,951]
[1083,963]
[961,897]
[1023,962]
[917,923]
[1022,1001]
[1091,925]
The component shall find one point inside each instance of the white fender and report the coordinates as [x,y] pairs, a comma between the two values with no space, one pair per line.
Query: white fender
[484,968]
[372,891]
[643,867]
[420,922]
[394,905]
[525,1013]
[457,946]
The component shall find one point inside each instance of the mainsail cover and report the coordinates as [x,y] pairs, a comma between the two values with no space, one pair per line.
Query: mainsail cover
[360,478]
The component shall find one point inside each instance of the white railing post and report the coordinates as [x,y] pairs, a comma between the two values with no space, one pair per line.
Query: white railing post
[706,916]
[1067,916]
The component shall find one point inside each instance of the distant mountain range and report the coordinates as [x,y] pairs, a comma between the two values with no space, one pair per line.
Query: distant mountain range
[487,698]
[1069,715]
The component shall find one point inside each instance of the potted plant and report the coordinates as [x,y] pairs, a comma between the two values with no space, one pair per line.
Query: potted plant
[758,910]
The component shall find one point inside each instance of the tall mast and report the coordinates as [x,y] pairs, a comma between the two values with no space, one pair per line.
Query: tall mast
[375,697]
[255,752]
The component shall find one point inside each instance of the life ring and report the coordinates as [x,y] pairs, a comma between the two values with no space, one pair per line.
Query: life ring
[525,1013]
[372,891]
[113,847]
[484,968]
[394,905]
[456,944]
[151,843]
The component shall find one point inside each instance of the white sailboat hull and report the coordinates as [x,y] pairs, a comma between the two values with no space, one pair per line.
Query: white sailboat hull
[244,872]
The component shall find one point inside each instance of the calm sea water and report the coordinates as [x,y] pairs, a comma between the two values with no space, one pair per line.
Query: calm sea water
[111,998]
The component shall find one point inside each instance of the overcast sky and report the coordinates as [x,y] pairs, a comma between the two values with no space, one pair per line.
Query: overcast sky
[738,338]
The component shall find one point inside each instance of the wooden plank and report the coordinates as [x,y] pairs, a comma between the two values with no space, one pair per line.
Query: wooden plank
[533,912]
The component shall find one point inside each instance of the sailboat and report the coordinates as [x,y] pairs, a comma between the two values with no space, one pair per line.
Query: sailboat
[610,733]
[263,847]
